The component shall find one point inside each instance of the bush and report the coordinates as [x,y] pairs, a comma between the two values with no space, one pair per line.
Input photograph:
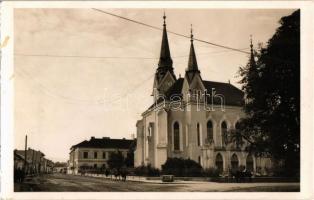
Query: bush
[211,172]
[146,171]
[182,167]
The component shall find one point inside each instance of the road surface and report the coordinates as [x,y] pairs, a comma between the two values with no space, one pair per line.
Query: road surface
[76,183]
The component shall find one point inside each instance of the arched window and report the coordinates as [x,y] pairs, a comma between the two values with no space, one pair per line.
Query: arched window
[234,162]
[176,136]
[249,163]
[224,132]
[198,134]
[210,132]
[219,163]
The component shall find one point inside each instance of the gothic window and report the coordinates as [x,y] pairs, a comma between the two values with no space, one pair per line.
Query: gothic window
[249,163]
[176,136]
[187,135]
[210,134]
[219,163]
[224,132]
[234,162]
[198,134]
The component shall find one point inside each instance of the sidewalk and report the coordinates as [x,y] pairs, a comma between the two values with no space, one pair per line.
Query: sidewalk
[143,179]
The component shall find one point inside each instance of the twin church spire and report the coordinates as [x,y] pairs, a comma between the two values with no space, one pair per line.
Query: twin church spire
[165,61]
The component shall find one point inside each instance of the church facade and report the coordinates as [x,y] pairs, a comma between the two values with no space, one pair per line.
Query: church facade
[191,118]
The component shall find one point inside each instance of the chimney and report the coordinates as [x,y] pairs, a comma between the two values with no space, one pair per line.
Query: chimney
[92,138]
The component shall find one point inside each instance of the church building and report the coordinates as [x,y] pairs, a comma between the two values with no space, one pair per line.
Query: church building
[190,118]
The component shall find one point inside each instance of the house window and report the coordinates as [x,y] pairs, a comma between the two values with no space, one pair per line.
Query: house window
[224,132]
[95,155]
[176,136]
[199,160]
[198,134]
[95,165]
[85,155]
[104,155]
[210,132]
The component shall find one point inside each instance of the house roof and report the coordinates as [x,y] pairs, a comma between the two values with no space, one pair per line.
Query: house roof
[232,95]
[105,143]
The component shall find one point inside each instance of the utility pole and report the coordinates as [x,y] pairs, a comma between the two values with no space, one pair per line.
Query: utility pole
[25,154]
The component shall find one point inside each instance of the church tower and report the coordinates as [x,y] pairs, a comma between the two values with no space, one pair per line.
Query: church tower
[164,76]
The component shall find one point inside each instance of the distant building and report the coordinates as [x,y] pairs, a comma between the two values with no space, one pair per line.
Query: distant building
[48,166]
[94,154]
[60,167]
[19,161]
[35,161]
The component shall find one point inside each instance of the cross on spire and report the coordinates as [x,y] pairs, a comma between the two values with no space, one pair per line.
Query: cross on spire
[164,17]
[191,33]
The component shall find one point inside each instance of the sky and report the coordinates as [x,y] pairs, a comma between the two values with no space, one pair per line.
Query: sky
[81,73]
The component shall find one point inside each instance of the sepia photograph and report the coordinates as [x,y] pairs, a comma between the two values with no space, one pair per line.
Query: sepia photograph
[156,100]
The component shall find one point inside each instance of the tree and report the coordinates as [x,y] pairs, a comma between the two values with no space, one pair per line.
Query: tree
[129,160]
[272,89]
[116,160]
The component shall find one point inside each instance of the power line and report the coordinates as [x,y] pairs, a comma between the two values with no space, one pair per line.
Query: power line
[178,34]
[79,56]
[72,100]
[112,57]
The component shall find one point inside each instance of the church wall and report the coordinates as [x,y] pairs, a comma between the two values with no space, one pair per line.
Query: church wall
[139,151]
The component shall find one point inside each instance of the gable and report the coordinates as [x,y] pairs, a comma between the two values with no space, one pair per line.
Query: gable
[197,83]
[167,81]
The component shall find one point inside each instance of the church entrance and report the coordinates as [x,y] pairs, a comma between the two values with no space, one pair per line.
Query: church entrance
[219,163]
[234,162]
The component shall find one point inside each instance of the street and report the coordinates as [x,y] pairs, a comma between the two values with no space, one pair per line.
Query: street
[76,183]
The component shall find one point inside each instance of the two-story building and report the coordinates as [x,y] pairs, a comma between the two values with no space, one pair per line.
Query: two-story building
[94,153]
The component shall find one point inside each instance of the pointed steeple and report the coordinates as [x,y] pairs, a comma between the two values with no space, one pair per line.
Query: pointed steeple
[162,78]
[165,58]
[192,63]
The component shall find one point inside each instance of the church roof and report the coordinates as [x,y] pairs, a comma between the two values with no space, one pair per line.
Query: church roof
[233,95]
[105,143]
